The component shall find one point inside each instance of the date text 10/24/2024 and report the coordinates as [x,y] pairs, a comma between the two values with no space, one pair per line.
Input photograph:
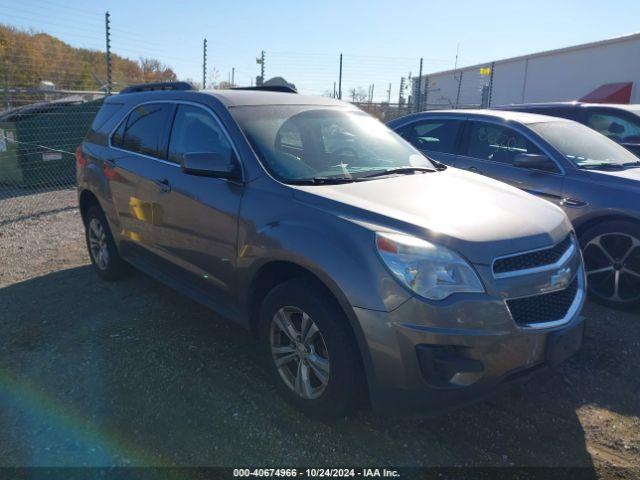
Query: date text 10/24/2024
[316,472]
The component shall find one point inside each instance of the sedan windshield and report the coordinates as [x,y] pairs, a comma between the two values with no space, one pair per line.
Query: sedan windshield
[306,143]
[583,146]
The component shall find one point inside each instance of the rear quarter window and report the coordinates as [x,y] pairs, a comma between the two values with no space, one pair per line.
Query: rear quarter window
[98,133]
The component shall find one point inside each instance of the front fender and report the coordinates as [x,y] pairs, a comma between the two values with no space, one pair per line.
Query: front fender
[340,253]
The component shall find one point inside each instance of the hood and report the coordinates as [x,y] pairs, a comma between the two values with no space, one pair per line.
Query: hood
[628,178]
[479,217]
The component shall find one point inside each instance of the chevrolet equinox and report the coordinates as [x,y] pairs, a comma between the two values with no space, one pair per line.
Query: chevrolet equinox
[368,271]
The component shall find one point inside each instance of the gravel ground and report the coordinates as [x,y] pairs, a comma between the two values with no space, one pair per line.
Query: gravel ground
[132,373]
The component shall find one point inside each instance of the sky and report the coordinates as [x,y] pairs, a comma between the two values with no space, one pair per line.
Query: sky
[381,41]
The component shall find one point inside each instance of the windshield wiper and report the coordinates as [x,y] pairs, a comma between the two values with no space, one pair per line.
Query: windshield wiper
[398,170]
[602,166]
[323,181]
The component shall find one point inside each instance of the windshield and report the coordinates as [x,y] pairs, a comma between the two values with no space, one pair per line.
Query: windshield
[299,143]
[583,146]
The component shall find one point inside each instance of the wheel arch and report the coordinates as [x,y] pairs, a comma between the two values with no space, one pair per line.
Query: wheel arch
[87,200]
[275,272]
[582,226]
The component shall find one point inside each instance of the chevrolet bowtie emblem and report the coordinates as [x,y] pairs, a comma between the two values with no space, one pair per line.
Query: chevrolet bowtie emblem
[561,278]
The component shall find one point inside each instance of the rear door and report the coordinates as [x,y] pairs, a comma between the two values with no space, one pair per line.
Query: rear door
[490,148]
[197,230]
[436,137]
[138,143]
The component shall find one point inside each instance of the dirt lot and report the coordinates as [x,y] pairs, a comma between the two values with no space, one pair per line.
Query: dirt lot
[131,373]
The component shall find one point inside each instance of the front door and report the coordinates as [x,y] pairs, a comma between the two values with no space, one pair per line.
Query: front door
[490,149]
[197,230]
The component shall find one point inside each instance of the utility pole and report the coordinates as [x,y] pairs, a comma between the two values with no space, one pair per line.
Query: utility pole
[107,27]
[233,76]
[401,92]
[459,86]
[455,69]
[425,101]
[261,67]
[389,94]
[493,65]
[334,90]
[419,91]
[373,85]
[204,64]
[340,80]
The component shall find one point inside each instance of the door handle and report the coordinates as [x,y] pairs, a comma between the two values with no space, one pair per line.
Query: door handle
[572,203]
[163,184]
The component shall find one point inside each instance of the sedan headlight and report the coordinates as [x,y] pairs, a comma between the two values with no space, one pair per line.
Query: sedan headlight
[432,271]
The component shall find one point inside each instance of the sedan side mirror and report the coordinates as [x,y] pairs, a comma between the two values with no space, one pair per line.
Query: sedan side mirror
[209,164]
[535,161]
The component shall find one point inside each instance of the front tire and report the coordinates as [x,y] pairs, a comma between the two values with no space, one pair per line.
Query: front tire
[311,354]
[102,248]
[611,252]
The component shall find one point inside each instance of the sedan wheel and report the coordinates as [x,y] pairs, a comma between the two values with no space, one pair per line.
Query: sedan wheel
[612,262]
[299,352]
[98,244]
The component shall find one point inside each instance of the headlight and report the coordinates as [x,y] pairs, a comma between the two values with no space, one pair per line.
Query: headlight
[432,271]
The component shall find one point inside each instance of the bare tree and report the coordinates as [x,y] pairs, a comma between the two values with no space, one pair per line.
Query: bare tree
[155,71]
[358,95]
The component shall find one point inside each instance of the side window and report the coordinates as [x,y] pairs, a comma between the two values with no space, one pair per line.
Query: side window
[616,127]
[143,130]
[497,143]
[195,130]
[118,135]
[438,135]
[569,113]
[405,132]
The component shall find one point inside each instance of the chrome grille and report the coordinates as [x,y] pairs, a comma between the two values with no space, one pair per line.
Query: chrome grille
[530,260]
[547,307]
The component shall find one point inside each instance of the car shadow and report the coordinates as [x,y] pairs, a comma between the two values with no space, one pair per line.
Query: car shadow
[132,373]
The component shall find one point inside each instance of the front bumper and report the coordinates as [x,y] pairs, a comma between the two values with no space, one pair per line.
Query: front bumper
[431,356]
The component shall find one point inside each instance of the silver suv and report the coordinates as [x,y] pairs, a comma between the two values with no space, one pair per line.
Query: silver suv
[368,271]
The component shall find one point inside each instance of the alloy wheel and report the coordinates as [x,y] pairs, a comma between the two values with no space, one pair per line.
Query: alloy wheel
[98,244]
[612,262]
[299,352]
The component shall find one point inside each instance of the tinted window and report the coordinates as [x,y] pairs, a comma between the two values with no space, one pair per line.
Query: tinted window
[118,135]
[569,113]
[616,127]
[143,131]
[497,143]
[195,130]
[107,111]
[435,135]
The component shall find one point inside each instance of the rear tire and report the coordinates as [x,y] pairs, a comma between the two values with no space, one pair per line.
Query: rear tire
[611,252]
[102,248]
[318,371]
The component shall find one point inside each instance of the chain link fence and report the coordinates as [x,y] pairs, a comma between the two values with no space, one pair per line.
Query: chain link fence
[50,92]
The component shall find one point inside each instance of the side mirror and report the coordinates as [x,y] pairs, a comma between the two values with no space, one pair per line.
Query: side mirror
[209,164]
[533,160]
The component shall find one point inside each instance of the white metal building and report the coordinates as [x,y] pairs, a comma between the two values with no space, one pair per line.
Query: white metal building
[609,70]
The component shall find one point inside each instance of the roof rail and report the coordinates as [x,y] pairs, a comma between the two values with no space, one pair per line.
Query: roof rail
[269,88]
[148,87]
